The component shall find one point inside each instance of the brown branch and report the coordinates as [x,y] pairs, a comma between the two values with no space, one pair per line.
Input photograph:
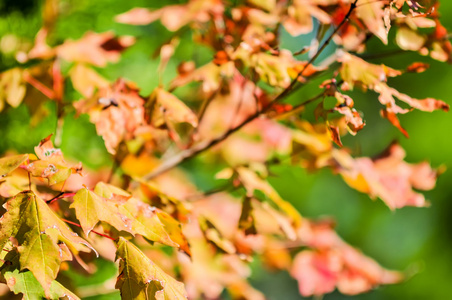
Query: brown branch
[205,145]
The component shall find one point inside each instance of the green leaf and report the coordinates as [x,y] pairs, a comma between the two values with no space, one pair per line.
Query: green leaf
[10,163]
[27,284]
[140,278]
[40,235]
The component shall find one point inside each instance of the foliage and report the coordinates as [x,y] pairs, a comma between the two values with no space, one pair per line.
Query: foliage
[240,111]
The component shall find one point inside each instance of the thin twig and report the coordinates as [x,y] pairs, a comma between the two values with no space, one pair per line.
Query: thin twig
[203,146]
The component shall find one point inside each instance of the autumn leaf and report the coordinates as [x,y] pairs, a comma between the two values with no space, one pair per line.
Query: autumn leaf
[90,209]
[146,222]
[51,164]
[213,235]
[96,49]
[390,178]
[168,107]
[173,17]
[252,182]
[116,207]
[12,88]
[372,14]
[140,278]
[247,221]
[355,71]
[116,110]
[86,81]
[38,230]
[10,163]
[331,263]
[150,222]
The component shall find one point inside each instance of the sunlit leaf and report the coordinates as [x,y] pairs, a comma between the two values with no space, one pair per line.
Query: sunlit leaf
[140,278]
[38,230]
[10,163]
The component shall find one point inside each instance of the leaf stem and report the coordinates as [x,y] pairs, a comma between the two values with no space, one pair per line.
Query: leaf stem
[59,196]
[93,231]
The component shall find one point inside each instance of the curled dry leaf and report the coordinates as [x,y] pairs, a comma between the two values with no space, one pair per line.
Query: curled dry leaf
[117,111]
[51,164]
[357,72]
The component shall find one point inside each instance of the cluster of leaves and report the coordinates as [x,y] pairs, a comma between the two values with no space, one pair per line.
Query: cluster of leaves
[233,109]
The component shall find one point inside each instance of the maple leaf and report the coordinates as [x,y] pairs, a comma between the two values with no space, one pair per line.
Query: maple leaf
[173,17]
[51,163]
[10,163]
[86,81]
[333,263]
[252,182]
[91,208]
[169,107]
[355,71]
[390,178]
[117,111]
[372,14]
[213,235]
[140,278]
[116,207]
[25,282]
[12,88]
[299,19]
[39,232]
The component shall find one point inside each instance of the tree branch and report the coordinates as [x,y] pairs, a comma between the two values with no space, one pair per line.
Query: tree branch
[205,145]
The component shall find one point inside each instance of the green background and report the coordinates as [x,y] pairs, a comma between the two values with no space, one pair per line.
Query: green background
[416,240]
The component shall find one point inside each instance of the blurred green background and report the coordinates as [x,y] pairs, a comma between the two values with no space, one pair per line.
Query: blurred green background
[417,240]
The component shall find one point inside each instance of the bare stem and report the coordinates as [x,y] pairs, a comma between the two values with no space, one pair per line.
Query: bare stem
[98,233]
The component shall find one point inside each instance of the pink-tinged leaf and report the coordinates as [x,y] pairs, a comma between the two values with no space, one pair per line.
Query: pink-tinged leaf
[390,178]
[316,272]
[332,263]
[173,17]
[138,16]
[96,49]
